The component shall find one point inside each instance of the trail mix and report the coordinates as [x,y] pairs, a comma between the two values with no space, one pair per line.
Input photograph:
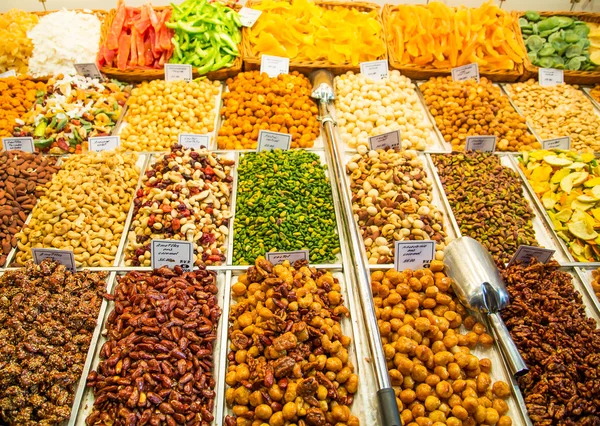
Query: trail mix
[284,203]
[289,359]
[391,201]
[184,196]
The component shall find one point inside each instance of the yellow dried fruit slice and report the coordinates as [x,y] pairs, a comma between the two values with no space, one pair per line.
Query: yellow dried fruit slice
[557,161]
[572,180]
[564,215]
[580,229]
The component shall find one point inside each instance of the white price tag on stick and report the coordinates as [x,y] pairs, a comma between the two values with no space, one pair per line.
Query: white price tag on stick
[557,143]
[249,16]
[192,141]
[20,144]
[388,140]
[274,65]
[413,254]
[466,72]
[9,73]
[526,253]
[104,143]
[481,143]
[175,72]
[171,253]
[268,141]
[550,76]
[89,70]
[281,256]
[375,70]
[64,257]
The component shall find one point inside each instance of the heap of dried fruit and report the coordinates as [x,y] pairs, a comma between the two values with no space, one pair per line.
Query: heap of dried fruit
[16,47]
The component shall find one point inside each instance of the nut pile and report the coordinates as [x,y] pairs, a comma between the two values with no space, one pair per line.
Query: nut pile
[20,175]
[557,111]
[159,111]
[559,343]
[468,108]
[257,102]
[365,107]
[288,362]
[157,365]
[184,196]
[83,208]
[47,319]
[487,201]
[391,201]
[284,203]
[436,378]
[17,95]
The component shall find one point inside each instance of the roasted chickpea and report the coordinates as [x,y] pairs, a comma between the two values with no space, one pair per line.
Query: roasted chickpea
[501,390]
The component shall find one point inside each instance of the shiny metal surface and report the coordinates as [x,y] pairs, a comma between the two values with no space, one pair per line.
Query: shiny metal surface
[479,286]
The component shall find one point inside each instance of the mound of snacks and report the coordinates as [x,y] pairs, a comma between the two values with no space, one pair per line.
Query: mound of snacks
[16,47]
[17,96]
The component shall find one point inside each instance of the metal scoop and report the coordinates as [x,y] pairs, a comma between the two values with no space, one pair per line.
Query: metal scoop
[479,287]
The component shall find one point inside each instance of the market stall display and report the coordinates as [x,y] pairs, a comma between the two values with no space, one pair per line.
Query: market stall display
[73,109]
[16,47]
[288,345]
[21,176]
[558,340]
[366,107]
[83,208]
[428,40]
[185,195]
[284,203]
[17,96]
[158,111]
[392,201]
[255,101]
[166,377]
[568,185]
[431,362]
[47,319]
[56,50]
[558,111]
[487,201]
[333,34]
[470,108]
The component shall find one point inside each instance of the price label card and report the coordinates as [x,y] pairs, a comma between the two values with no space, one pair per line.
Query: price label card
[413,254]
[9,73]
[526,253]
[375,70]
[89,70]
[19,144]
[64,257]
[274,65]
[175,72]
[268,141]
[481,143]
[557,143]
[466,72]
[104,143]
[386,141]
[281,256]
[550,76]
[249,16]
[192,141]
[171,253]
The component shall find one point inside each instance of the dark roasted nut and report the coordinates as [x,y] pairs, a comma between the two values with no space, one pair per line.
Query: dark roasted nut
[559,343]
[165,382]
[47,318]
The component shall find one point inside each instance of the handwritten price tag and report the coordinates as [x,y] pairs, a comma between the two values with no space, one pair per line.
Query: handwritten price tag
[171,253]
[281,256]
[526,253]
[175,72]
[9,73]
[18,144]
[557,143]
[64,257]
[550,76]
[268,141]
[274,65]
[466,72]
[191,141]
[386,141]
[249,16]
[481,143]
[375,70]
[413,254]
[89,70]
[104,143]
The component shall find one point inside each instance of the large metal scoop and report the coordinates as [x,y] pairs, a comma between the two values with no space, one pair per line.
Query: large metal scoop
[479,286]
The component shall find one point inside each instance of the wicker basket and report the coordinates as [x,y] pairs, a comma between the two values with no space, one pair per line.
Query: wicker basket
[573,77]
[417,72]
[252,62]
[135,74]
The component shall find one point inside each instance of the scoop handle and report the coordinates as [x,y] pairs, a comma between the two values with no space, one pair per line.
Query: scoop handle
[516,364]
